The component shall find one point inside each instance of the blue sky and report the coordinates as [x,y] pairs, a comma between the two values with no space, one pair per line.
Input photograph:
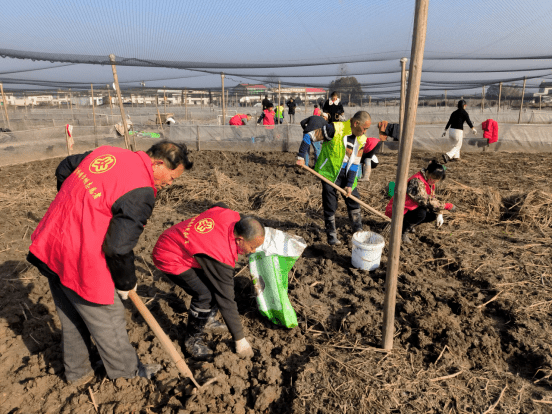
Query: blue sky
[220,35]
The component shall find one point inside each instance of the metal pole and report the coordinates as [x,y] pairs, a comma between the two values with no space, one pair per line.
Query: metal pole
[499,95]
[123,117]
[5,104]
[223,103]
[403,93]
[405,148]
[522,95]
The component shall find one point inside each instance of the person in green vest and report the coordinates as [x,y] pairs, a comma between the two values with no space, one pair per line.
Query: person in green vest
[339,160]
[279,117]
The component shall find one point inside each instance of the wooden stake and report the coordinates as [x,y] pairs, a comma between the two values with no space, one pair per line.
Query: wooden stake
[123,117]
[279,93]
[522,95]
[483,99]
[540,102]
[186,105]
[71,103]
[305,101]
[67,141]
[403,93]
[499,95]
[5,103]
[165,101]
[369,101]
[445,100]
[405,149]
[197,138]
[223,103]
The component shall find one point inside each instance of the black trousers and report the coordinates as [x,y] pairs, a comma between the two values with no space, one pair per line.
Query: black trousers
[417,216]
[329,196]
[195,284]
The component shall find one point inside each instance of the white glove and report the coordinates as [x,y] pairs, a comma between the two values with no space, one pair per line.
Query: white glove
[474,131]
[124,293]
[440,220]
[444,133]
[243,348]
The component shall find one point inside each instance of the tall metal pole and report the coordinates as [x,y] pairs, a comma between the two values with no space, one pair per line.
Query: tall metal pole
[522,95]
[403,93]
[223,103]
[405,149]
[499,95]
[123,117]
[4,102]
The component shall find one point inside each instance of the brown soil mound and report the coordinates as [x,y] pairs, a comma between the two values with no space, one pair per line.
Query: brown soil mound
[473,304]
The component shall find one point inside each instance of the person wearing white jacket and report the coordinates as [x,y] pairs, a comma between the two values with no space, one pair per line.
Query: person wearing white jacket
[456,133]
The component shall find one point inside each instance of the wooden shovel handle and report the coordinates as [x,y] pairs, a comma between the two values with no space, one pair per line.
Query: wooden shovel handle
[163,338]
[352,197]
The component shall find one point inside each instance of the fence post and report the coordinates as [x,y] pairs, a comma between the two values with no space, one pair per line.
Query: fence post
[499,96]
[186,105]
[123,117]
[5,105]
[522,95]
[222,100]
[197,139]
[94,115]
[403,93]
[483,99]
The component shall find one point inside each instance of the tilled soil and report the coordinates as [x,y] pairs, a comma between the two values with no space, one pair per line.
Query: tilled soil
[472,317]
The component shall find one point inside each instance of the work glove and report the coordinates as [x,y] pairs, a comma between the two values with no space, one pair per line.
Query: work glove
[124,293]
[444,133]
[474,131]
[440,220]
[243,348]
[450,207]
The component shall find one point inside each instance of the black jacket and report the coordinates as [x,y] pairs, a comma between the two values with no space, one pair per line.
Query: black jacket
[333,110]
[457,119]
[130,212]
[266,103]
[291,107]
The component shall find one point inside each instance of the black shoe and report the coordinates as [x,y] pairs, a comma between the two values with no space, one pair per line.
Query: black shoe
[213,325]
[356,220]
[331,231]
[194,341]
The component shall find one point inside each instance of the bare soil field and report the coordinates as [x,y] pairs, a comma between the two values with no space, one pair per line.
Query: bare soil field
[473,316]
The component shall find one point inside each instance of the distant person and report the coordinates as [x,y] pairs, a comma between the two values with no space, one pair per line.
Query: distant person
[279,119]
[456,133]
[317,111]
[266,102]
[291,110]
[333,108]
[240,119]
[421,205]
[309,125]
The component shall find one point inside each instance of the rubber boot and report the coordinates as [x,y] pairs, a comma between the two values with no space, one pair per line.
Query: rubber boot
[405,239]
[356,220]
[194,341]
[445,158]
[366,170]
[213,325]
[331,231]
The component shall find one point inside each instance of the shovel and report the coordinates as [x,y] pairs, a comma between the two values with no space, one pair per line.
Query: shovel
[165,341]
[352,197]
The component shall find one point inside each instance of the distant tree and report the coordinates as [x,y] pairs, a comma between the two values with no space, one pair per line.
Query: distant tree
[347,85]
[512,91]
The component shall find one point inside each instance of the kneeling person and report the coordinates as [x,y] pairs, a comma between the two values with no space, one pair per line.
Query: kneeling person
[200,255]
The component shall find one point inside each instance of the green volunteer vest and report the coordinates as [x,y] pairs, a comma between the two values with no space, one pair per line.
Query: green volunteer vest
[279,112]
[332,154]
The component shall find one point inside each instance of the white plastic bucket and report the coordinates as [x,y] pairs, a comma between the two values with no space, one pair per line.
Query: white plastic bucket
[367,248]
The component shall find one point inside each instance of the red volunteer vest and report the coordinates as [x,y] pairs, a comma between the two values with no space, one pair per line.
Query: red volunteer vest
[70,235]
[211,233]
[370,144]
[317,112]
[268,118]
[237,119]
[410,204]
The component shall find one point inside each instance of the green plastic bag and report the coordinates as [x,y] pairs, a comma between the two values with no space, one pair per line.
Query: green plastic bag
[269,267]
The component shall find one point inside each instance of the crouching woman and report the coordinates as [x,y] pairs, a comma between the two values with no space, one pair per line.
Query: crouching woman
[421,205]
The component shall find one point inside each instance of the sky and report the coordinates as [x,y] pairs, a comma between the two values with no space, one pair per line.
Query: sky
[186,44]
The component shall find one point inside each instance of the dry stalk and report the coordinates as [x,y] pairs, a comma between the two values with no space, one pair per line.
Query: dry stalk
[92,398]
[493,406]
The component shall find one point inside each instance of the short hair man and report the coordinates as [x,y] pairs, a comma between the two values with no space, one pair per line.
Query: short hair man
[339,159]
[199,255]
[84,245]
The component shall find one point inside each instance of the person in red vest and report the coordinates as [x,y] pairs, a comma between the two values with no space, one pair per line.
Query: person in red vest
[317,111]
[240,119]
[369,160]
[84,246]
[267,117]
[199,255]
[421,205]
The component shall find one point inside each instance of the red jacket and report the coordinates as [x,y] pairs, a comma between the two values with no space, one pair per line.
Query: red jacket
[211,233]
[317,112]
[70,235]
[268,118]
[237,119]
[410,204]
[490,130]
